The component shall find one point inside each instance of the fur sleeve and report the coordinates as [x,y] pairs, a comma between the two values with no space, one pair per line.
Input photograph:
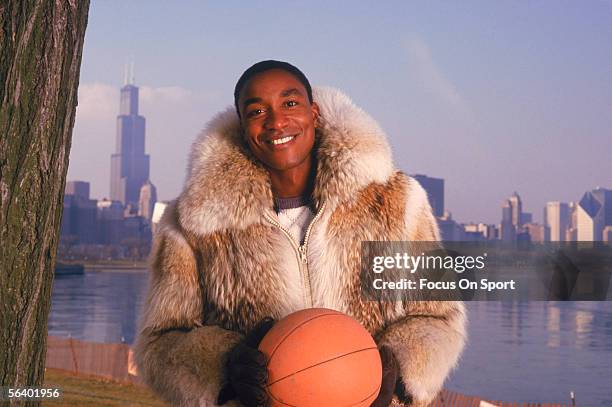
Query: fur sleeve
[427,343]
[177,357]
[429,338]
[421,225]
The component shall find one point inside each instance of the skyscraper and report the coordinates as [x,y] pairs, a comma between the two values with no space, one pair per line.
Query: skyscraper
[571,235]
[526,217]
[537,232]
[517,209]
[79,218]
[158,212]
[77,188]
[507,228]
[435,192]
[449,229]
[557,218]
[110,221]
[129,164]
[594,213]
[148,197]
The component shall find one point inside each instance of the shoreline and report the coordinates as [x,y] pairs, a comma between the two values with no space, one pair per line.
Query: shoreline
[135,268]
[110,266]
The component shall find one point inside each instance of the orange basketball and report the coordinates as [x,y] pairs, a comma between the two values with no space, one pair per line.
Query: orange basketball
[321,357]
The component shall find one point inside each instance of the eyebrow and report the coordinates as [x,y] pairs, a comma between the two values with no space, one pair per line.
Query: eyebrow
[291,91]
[250,101]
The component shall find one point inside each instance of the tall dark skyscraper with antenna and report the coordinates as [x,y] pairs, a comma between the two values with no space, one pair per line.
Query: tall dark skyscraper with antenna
[129,163]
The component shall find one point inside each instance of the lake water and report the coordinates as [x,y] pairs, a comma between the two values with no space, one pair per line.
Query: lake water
[529,351]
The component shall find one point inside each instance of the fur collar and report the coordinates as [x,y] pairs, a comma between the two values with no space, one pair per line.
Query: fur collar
[226,187]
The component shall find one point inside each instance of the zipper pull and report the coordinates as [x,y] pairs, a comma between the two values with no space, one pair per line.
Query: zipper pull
[302,251]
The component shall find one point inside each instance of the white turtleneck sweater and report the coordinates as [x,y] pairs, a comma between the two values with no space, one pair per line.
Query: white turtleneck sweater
[295,215]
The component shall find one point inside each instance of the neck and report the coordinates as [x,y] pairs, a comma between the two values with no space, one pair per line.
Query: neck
[294,182]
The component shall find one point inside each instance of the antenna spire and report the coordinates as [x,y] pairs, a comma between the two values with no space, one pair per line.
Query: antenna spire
[132,78]
[128,71]
[125,74]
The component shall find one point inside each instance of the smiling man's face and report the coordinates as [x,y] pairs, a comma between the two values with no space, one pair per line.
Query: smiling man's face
[278,120]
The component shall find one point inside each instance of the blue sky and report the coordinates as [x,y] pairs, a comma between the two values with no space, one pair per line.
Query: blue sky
[491,96]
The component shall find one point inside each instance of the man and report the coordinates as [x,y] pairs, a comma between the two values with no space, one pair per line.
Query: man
[280,194]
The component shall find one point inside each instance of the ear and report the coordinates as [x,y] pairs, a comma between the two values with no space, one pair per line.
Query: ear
[315,114]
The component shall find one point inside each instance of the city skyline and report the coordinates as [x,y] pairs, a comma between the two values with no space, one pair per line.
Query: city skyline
[481,96]
[559,218]
[128,110]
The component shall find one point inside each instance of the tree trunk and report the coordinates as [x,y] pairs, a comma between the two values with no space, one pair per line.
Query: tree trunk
[41,42]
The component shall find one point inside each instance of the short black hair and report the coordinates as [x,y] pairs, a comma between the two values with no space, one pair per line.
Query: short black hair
[266,66]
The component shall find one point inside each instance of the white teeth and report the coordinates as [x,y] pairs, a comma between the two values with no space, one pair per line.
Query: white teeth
[282,140]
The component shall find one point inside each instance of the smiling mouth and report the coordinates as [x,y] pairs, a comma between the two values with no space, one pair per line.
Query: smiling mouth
[281,140]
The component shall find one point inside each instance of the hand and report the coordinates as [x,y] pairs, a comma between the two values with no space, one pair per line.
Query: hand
[247,373]
[402,394]
[390,375]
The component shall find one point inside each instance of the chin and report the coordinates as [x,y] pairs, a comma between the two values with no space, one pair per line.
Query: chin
[282,166]
[284,163]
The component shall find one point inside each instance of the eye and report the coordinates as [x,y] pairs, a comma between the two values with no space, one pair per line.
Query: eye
[254,112]
[291,103]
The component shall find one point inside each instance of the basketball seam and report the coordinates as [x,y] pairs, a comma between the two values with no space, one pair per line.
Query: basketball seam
[361,401]
[350,405]
[320,363]
[279,401]
[296,327]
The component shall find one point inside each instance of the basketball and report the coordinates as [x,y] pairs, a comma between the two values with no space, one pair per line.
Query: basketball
[321,357]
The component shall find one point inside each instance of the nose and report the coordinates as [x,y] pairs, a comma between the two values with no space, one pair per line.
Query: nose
[275,120]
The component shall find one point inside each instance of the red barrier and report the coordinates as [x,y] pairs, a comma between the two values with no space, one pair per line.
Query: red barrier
[109,360]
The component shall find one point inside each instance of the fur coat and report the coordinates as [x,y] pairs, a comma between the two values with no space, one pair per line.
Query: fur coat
[220,263]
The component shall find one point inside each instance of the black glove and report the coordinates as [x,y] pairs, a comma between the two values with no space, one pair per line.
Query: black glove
[247,373]
[401,392]
[389,378]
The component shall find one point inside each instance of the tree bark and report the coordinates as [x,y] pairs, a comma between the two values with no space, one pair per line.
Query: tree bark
[41,43]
